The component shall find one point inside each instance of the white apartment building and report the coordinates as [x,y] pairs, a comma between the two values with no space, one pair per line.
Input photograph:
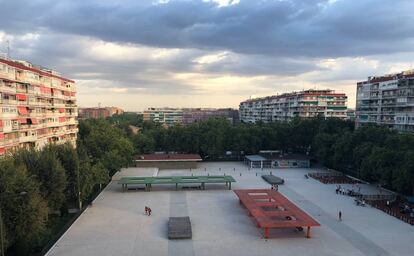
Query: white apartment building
[303,104]
[387,100]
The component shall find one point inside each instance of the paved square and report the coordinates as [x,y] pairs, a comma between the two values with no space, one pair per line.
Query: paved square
[116,224]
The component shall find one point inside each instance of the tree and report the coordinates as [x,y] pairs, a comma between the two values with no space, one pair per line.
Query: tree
[52,178]
[68,157]
[24,216]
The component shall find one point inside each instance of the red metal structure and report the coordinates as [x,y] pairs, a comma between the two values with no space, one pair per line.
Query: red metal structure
[270,209]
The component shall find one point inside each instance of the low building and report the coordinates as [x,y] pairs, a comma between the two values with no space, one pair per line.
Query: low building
[168,161]
[277,161]
[104,112]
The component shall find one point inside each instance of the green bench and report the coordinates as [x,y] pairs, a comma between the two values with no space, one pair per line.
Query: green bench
[149,181]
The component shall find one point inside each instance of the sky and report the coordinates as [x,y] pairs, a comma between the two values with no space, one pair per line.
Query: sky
[209,53]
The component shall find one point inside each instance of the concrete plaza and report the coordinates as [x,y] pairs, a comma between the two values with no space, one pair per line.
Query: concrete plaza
[116,223]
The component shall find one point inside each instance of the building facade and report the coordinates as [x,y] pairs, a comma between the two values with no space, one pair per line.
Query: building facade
[194,115]
[38,106]
[165,116]
[172,116]
[99,112]
[303,104]
[387,100]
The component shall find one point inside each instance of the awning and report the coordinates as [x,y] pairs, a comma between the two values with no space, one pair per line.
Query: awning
[1,136]
[22,110]
[23,120]
[61,110]
[33,120]
[21,97]
[2,151]
[1,123]
[66,93]
[62,119]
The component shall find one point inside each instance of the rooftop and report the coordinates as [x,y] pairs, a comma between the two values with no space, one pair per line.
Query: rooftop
[40,71]
[309,92]
[116,223]
[168,157]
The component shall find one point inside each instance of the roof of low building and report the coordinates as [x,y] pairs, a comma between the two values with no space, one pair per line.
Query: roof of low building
[289,157]
[167,157]
[255,158]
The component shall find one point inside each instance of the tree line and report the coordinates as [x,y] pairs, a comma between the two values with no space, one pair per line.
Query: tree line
[373,153]
[37,187]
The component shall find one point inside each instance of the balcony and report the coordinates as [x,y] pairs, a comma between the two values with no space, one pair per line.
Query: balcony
[4,88]
[22,103]
[55,104]
[28,138]
[8,142]
[72,122]
[8,102]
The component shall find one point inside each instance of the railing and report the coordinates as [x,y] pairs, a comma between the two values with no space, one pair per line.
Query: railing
[7,89]
[8,102]
[11,141]
[27,138]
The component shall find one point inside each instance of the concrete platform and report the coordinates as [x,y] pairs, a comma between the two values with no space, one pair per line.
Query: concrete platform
[116,224]
[273,180]
[179,228]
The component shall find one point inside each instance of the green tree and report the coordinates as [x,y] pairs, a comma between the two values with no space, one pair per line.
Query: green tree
[24,216]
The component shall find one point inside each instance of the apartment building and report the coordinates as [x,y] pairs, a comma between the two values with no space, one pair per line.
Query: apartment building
[37,106]
[303,104]
[171,116]
[387,100]
[165,116]
[99,112]
[194,115]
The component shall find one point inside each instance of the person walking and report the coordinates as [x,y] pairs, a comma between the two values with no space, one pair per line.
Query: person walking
[146,210]
[149,211]
[340,216]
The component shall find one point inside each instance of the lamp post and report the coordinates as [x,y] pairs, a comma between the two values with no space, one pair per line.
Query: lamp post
[1,219]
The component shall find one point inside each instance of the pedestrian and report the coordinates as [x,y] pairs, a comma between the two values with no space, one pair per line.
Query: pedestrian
[340,216]
[146,210]
[149,211]
[277,187]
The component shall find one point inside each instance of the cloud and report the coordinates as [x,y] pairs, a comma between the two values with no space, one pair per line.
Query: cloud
[180,49]
[311,28]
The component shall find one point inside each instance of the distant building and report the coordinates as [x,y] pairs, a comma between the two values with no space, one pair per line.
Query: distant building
[103,112]
[303,104]
[387,100]
[166,116]
[171,116]
[194,115]
[37,107]
[350,114]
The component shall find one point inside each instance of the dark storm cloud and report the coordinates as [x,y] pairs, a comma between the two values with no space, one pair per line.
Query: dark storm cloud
[310,28]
